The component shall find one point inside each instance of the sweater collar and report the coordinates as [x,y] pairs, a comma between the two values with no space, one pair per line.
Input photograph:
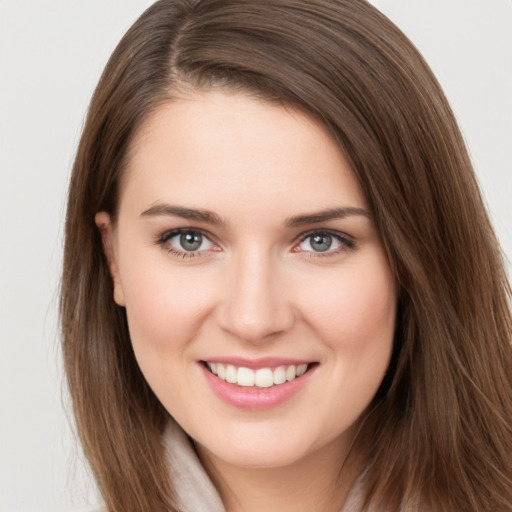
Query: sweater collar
[194,491]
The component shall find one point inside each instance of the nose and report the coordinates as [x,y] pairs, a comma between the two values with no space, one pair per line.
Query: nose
[254,306]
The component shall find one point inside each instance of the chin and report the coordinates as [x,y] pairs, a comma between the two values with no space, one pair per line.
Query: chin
[257,457]
[253,448]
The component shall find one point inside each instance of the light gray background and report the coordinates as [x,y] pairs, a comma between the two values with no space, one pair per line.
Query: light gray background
[51,55]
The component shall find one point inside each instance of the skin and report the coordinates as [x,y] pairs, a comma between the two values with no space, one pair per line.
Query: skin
[257,287]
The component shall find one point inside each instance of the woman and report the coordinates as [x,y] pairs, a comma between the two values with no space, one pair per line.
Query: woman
[280,287]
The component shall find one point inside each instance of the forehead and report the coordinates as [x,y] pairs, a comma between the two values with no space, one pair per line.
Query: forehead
[202,146]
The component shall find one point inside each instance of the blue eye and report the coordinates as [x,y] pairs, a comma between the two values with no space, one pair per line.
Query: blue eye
[318,243]
[190,240]
[185,242]
[325,242]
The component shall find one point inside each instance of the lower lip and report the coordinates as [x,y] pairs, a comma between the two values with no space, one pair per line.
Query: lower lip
[253,398]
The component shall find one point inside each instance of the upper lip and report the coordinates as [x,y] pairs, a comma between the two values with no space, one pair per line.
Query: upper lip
[257,363]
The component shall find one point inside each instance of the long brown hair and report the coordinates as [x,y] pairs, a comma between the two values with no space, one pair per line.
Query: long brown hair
[440,434]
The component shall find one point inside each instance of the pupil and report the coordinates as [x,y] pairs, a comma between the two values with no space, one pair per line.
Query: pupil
[321,243]
[191,241]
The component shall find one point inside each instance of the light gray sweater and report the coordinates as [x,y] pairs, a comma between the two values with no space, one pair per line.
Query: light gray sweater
[195,491]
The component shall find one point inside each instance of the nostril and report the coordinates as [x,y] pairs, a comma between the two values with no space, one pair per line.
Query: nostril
[256,324]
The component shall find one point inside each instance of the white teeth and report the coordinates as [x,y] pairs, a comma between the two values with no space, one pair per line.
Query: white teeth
[264,378]
[261,378]
[280,375]
[301,369]
[245,377]
[231,374]
[221,371]
[291,373]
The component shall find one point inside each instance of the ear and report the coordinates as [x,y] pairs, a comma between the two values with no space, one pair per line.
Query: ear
[104,224]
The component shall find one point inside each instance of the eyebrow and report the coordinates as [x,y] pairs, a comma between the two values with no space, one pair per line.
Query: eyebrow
[325,215]
[209,217]
[185,213]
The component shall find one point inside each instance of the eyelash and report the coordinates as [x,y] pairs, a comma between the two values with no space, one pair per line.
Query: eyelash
[163,240]
[347,243]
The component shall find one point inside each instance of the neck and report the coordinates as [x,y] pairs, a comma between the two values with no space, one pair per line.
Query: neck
[315,482]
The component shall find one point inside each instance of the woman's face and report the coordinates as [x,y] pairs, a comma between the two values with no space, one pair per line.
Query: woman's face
[260,303]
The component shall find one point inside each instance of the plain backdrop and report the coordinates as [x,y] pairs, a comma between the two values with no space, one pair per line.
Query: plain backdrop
[51,55]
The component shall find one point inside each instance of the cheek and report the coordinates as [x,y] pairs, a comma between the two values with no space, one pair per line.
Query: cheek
[164,306]
[354,312]
[355,320]
[165,311]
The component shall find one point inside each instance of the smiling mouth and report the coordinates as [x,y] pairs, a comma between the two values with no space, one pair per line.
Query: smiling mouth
[260,378]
